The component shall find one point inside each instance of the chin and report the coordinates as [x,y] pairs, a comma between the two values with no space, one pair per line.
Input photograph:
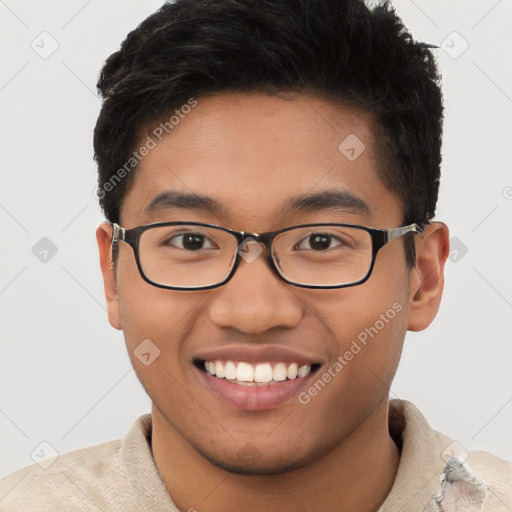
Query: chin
[250,461]
[261,468]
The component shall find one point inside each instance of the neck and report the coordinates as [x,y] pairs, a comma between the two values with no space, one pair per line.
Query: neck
[337,481]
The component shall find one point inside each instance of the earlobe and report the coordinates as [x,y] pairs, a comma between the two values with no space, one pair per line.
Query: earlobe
[104,237]
[427,278]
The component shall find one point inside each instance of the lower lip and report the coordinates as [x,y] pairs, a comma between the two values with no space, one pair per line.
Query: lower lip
[253,398]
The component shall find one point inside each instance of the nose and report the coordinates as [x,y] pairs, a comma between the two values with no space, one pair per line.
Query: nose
[255,299]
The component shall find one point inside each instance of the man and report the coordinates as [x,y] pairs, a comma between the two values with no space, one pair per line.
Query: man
[269,171]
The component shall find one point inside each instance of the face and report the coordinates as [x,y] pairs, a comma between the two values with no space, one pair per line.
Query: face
[251,153]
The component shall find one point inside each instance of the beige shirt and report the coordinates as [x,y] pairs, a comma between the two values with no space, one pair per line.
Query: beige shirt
[122,475]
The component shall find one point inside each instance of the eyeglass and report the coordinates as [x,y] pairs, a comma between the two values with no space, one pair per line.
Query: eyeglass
[198,256]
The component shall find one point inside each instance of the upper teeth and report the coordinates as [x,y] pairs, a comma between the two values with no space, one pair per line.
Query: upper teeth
[262,372]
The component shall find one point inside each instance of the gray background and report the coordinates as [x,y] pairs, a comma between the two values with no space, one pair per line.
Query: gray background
[65,377]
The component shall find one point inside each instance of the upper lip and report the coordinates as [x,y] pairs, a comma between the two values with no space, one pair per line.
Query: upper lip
[257,354]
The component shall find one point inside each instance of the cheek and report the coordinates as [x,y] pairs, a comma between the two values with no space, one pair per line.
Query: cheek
[367,342]
[156,325]
[164,317]
[379,304]
[365,326]
[366,329]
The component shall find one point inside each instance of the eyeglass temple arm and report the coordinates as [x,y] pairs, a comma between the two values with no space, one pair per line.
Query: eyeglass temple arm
[403,230]
[117,233]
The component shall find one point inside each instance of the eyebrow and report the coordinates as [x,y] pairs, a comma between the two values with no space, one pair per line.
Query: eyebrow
[325,200]
[186,201]
[328,199]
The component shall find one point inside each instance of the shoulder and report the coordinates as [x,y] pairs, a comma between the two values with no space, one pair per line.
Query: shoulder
[74,480]
[496,473]
[434,468]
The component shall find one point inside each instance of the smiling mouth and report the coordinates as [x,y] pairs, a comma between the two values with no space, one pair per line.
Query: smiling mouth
[261,374]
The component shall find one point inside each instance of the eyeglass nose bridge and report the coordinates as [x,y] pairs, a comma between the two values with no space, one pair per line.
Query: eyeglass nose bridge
[249,248]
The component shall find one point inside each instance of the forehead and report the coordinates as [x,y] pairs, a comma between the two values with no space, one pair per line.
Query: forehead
[253,153]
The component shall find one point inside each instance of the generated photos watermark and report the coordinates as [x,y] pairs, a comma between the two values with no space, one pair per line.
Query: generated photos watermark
[355,348]
[150,143]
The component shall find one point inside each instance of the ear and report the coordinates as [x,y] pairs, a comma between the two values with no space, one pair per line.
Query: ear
[104,238]
[427,278]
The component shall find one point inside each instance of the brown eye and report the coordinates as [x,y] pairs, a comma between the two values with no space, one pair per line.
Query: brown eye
[318,242]
[190,241]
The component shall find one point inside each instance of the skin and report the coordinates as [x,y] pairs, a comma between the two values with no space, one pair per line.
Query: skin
[252,152]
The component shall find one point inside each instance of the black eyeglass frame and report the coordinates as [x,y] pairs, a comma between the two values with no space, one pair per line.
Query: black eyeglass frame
[380,237]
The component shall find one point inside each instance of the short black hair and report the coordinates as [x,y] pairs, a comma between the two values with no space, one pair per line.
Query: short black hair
[340,50]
